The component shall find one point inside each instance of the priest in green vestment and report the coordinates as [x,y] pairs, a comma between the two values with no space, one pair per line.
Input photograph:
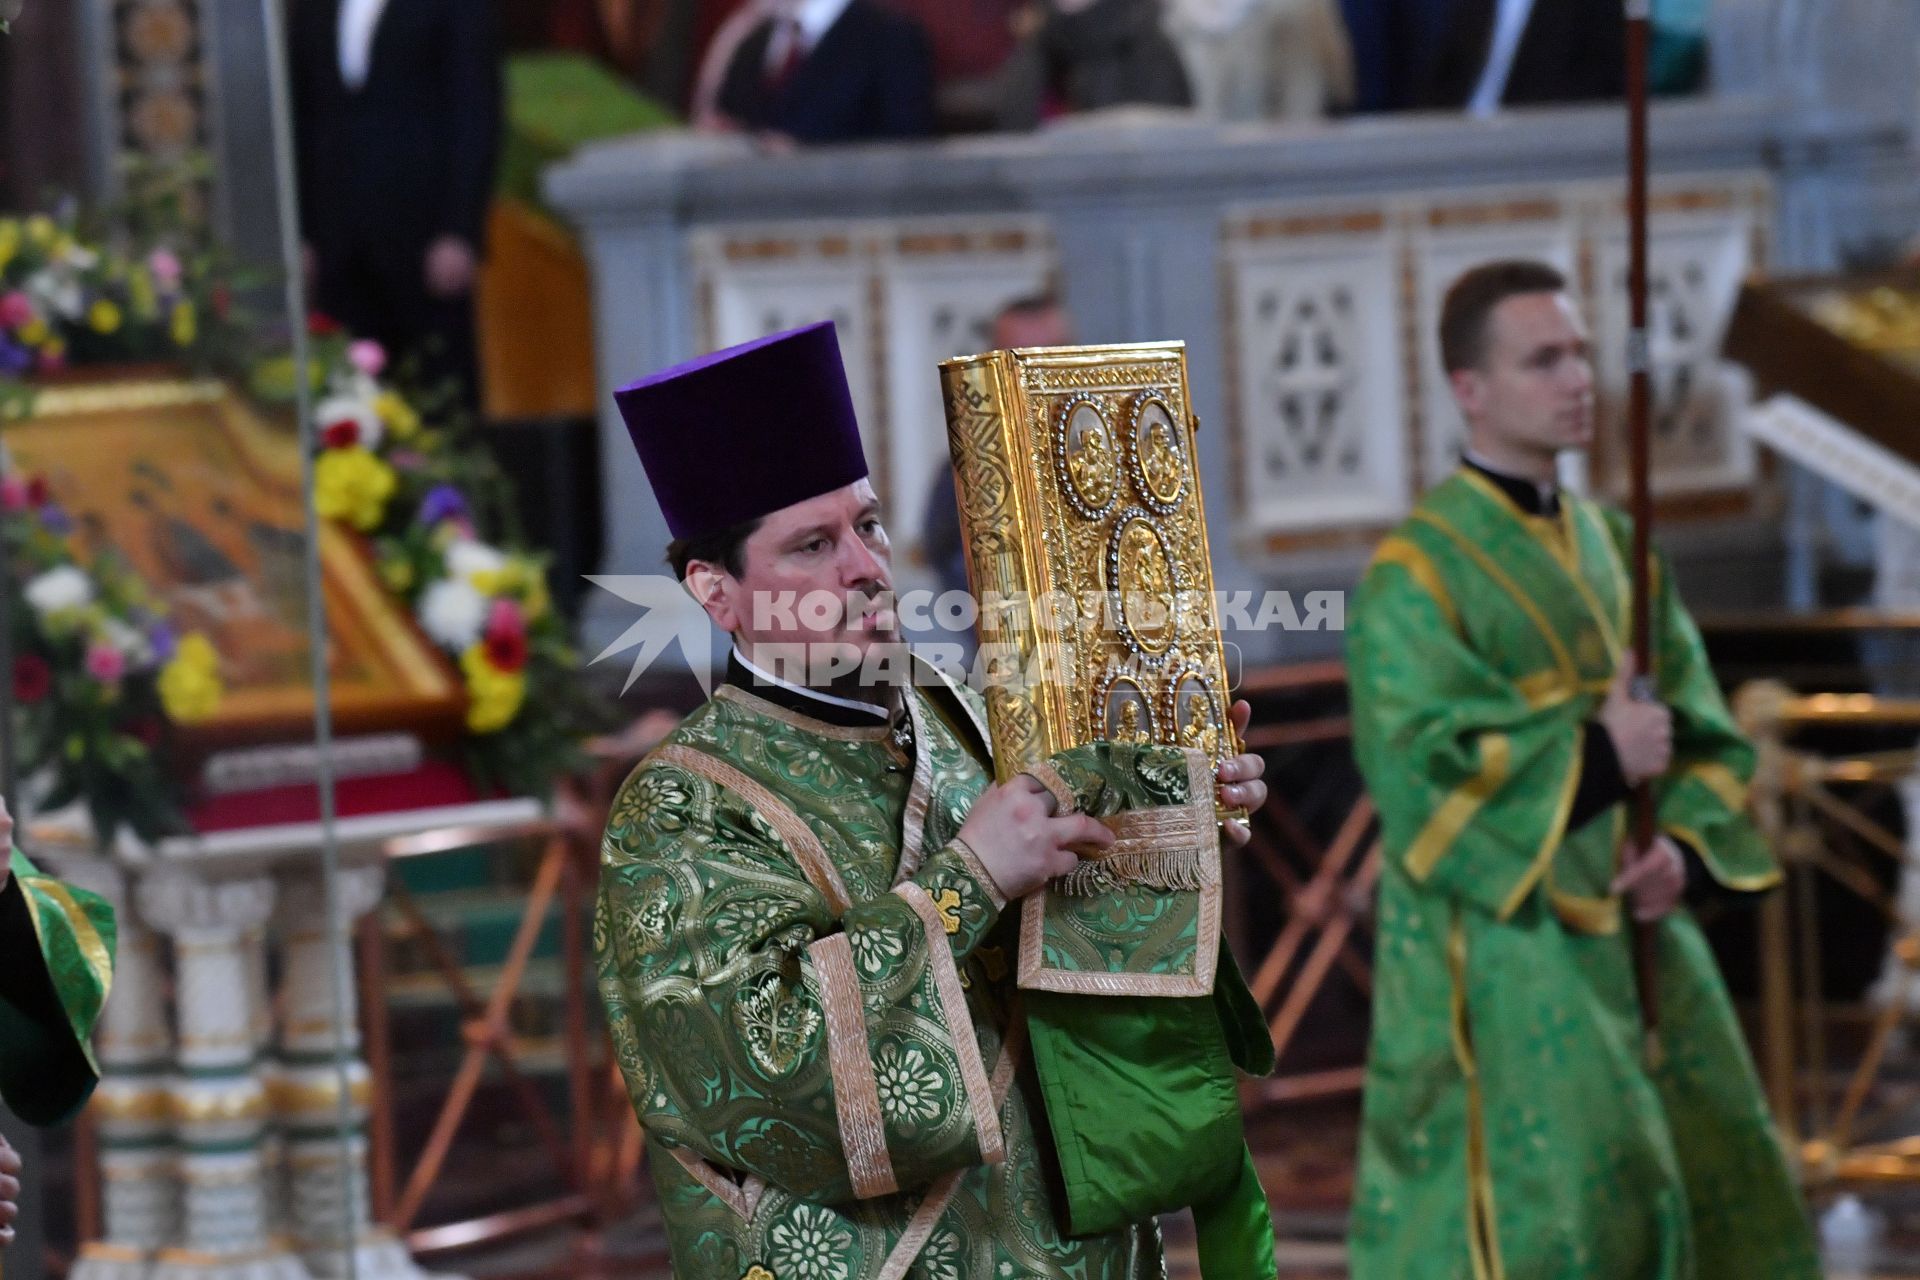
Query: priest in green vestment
[804,932]
[1514,1124]
[56,963]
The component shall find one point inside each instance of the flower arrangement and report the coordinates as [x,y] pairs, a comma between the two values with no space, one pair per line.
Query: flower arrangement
[424,498]
[99,674]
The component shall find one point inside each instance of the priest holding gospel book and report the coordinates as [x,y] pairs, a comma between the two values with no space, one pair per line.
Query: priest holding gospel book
[1516,1122]
[809,930]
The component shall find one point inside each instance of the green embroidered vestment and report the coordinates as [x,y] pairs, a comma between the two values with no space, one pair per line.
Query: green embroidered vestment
[56,965]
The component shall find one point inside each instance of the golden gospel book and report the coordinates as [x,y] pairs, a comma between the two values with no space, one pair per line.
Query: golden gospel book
[1087,550]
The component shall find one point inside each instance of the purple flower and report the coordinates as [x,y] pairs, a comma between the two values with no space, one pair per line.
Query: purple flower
[443,502]
[165,641]
[14,358]
[54,519]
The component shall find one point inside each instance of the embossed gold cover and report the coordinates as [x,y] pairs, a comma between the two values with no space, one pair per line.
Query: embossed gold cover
[1077,484]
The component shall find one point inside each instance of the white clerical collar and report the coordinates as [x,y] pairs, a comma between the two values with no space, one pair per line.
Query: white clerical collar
[849,704]
[359,19]
[816,18]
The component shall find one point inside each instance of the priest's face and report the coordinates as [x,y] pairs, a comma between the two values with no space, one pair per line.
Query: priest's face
[816,579]
[1531,396]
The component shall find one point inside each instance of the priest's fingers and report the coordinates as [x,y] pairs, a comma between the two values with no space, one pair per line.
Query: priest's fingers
[1239,715]
[9,1159]
[1241,768]
[1030,785]
[1078,828]
[1237,833]
[1244,795]
[1645,867]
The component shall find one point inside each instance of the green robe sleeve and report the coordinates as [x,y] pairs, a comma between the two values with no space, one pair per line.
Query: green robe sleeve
[1703,798]
[1474,780]
[829,1052]
[56,966]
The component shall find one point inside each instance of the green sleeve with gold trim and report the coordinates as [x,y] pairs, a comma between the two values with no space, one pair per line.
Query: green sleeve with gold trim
[830,1053]
[1473,780]
[56,966]
[1703,798]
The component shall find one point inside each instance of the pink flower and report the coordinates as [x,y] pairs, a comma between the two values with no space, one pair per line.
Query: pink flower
[506,619]
[165,268]
[105,663]
[368,356]
[51,360]
[15,309]
[13,494]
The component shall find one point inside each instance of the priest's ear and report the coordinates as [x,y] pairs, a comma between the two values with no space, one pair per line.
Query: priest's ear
[1469,391]
[719,593]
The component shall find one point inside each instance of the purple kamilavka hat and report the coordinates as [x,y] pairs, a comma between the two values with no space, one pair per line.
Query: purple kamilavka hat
[743,432]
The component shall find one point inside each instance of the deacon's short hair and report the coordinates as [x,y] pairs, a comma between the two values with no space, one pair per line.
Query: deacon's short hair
[1470,303]
[726,548]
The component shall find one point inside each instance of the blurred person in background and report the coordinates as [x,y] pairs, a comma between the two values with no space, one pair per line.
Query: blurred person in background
[1087,55]
[398,120]
[809,72]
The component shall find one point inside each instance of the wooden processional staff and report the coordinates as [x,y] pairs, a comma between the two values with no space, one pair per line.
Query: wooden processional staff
[1639,429]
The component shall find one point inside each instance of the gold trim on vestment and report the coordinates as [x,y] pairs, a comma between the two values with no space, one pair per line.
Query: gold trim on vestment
[800,839]
[1487,565]
[1556,836]
[856,1093]
[1739,884]
[795,720]
[978,869]
[1419,566]
[1725,784]
[966,1044]
[742,1197]
[1483,1235]
[1595,917]
[86,938]
[1457,810]
[1048,775]
[913,825]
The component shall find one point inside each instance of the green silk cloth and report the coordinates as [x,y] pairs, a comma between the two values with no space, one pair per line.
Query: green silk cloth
[1513,1126]
[811,990]
[56,966]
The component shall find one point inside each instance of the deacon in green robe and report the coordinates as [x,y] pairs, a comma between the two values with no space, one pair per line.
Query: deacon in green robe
[805,939]
[1514,1123]
[56,964]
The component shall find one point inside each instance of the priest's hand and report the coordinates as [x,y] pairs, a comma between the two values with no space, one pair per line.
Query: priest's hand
[1642,732]
[1654,880]
[9,1191]
[1240,779]
[1013,831]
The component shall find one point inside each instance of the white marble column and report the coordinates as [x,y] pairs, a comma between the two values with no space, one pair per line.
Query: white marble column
[217,1098]
[326,1171]
[131,1109]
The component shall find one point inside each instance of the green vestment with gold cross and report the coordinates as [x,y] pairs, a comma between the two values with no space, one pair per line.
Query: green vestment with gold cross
[810,985]
[1513,1126]
[56,965]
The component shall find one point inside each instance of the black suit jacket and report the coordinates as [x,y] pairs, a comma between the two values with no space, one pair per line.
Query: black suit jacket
[869,77]
[1572,51]
[410,156]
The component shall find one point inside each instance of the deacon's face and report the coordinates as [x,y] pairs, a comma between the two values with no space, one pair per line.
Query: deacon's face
[818,573]
[1533,391]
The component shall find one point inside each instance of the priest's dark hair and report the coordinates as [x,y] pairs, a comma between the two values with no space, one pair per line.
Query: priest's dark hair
[1471,301]
[726,548]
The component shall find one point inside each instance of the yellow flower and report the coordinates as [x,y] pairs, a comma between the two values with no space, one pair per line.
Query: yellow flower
[400,417]
[354,486]
[493,696]
[33,332]
[520,578]
[140,294]
[41,231]
[63,245]
[190,687]
[104,317]
[53,348]
[185,325]
[397,573]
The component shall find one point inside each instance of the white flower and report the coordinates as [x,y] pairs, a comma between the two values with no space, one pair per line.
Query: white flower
[467,558]
[356,409]
[60,589]
[453,613]
[813,1246]
[909,1085]
[130,641]
[59,291]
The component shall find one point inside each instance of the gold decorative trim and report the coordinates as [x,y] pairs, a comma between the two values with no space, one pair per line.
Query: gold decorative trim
[1768,879]
[1055,783]
[1556,833]
[1483,1236]
[1725,784]
[121,397]
[953,1002]
[934,1207]
[978,870]
[1595,917]
[795,720]
[741,1197]
[856,1094]
[1419,566]
[913,826]
[1492,569]
[86,939]
[1456,811]
[800,839]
